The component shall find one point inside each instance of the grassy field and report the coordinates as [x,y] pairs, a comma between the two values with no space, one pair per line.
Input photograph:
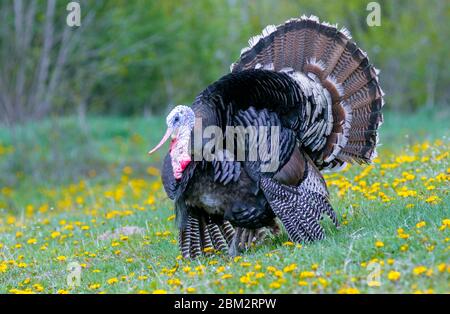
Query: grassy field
[84,200]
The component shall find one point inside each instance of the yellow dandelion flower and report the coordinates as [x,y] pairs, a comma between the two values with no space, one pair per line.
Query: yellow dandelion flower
[307,274]
[433,199]
[419,270]
[401,234]
[3,268]
[38,287]
[187,269]
[275,285]
[10,220]
[394,275]
[226,276]
[159,291]
[18,291]
[32,241]
[323,282]
[174,282]
[347,290]
[278,273]
[405,159]
[379,244]
[260,275]
[271,269]
[441,267]
[61,258]
[421,224]
[112,281]
[151,200]
[244,279]
[290,268]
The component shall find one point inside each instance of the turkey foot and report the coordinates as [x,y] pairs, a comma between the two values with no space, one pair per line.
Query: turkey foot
[244,239]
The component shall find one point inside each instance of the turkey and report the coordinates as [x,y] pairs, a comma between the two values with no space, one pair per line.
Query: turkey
[317,98]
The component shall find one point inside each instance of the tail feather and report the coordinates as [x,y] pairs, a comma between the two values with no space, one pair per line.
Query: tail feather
[200,236]
[184,240]
[349,61]
[219,242]
[309,46]
[195,249]
[228,231]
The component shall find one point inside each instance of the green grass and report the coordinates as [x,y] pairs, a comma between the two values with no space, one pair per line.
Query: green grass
[68,194]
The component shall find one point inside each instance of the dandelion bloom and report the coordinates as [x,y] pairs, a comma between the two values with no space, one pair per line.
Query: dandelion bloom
[419,270]
[394,275]
[379,244]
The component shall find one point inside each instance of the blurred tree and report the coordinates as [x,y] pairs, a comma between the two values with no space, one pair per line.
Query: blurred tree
[134,57]
[37,52]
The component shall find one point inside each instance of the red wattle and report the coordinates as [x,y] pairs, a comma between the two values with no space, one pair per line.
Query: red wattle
[184,163]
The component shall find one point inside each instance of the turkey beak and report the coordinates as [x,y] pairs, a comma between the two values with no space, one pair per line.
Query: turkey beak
[163,140]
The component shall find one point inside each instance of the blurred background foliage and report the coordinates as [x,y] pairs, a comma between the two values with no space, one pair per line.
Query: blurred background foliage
[140,57]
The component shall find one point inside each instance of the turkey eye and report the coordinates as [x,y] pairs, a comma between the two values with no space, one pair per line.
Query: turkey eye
[176,119]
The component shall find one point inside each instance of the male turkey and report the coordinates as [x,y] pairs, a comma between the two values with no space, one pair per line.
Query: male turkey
[313,83]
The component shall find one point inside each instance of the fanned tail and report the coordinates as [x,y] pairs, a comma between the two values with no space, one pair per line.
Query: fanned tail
[322,53]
